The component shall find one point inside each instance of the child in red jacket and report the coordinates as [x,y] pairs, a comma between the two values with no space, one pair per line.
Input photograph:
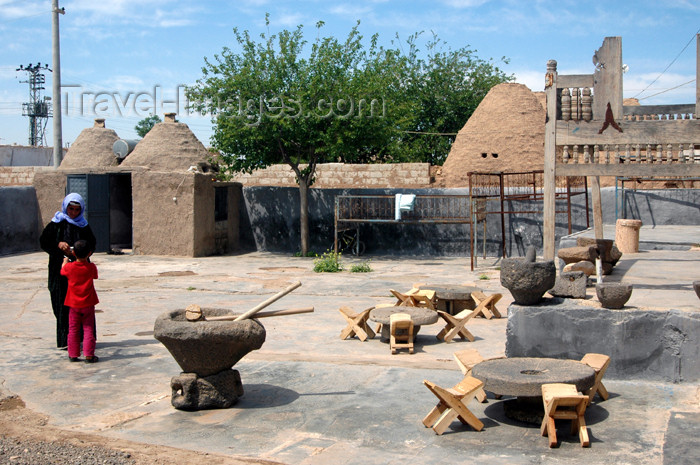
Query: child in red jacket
[81,298]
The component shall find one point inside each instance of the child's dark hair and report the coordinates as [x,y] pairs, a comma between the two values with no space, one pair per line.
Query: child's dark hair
[81,249]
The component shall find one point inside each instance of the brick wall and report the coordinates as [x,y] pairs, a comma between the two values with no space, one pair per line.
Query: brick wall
[340,175]
[20,175]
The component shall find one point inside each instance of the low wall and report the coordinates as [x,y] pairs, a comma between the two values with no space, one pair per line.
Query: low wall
[341,175]
[650,345]
[19,229]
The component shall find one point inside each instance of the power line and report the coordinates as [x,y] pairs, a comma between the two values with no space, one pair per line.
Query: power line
[431,133]
[667,90]
[670,64]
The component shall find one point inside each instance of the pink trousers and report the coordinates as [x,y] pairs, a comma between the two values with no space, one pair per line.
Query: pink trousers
[81,318]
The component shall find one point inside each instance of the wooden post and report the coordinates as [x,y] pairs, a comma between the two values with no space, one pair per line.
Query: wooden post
[549,194]
[607,87]
[597,207]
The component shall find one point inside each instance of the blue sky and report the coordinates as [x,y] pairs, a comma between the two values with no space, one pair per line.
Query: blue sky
[135,55]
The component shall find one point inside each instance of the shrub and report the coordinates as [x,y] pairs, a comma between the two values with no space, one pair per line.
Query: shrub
[328,262]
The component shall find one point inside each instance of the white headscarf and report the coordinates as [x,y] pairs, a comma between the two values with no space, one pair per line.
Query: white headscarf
[79,220]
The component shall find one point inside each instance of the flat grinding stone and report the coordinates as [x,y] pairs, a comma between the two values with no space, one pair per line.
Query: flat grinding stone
[524,376]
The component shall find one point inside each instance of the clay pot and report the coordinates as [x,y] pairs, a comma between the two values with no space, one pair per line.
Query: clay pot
[207,347]
[527,280]
[613,295]
[696,286]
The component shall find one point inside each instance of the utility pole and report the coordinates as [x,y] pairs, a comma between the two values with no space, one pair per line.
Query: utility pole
[57,126]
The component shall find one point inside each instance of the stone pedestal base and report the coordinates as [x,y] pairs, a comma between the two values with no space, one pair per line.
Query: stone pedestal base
[525,409]
[191,392]
[627,235]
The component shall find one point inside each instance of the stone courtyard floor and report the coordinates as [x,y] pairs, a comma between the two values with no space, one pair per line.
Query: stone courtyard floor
[310,397]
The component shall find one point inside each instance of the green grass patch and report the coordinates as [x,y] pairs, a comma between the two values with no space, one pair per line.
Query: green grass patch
[363,267]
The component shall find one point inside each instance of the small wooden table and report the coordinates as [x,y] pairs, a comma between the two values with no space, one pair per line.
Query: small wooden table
[419,315]
[523,377]
[455,298]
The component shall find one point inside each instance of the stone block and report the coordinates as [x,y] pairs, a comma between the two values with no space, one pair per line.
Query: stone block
[585,266]
[642,344]
[577,254]
[570,284]
[603,246]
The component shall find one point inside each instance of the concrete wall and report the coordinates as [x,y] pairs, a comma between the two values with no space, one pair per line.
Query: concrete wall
[270,222]
[653,207]
[18,155]
[652,345]
[18,227]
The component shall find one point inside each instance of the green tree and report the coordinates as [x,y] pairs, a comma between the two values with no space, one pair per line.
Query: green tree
[272,104]
[443,89]
[146,124]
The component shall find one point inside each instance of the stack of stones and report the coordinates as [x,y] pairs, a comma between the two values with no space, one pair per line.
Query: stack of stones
[580,263]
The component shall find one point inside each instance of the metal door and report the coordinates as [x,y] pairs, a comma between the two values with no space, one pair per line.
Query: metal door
[94,188]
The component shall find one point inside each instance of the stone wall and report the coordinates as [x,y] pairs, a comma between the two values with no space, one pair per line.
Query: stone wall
[20,175]
[341,175]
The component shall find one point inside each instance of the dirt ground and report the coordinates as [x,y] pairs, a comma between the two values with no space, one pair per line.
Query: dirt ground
[28,439]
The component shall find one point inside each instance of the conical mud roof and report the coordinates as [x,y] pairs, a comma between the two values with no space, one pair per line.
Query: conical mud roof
[92,148]
[505,133]
[169,146]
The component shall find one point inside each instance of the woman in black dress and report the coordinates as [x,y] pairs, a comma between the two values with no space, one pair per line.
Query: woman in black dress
[57,239]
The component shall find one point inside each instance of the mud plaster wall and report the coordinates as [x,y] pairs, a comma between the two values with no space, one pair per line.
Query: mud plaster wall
[50,188]
[163,226]
[184,226]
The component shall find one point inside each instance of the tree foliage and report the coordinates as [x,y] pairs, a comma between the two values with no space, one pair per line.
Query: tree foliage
[271,102]
[146,124]
[443,88]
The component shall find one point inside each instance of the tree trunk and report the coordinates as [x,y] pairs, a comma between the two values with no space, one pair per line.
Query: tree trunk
[304,216]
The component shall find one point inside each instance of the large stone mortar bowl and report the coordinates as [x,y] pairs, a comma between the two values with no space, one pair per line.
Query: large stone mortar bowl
[207,347]
[613,295]
[696,286]
[527,280]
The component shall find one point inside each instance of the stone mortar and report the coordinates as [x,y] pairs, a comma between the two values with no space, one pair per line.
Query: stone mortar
[207,347]
[527,281]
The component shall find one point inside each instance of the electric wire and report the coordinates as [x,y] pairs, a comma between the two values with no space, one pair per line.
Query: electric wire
[670,64]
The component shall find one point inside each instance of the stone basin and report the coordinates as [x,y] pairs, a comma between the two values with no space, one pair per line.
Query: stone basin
[206,348]
[613,295]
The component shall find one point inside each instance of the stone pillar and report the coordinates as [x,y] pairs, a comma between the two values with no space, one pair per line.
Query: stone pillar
[627,235]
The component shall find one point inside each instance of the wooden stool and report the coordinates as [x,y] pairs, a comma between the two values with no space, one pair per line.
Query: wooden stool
[453,404]
[401,332]
[599,362]
[563,402]
[357,324]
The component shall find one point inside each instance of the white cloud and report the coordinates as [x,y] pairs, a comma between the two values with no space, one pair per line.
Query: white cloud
[464,3]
